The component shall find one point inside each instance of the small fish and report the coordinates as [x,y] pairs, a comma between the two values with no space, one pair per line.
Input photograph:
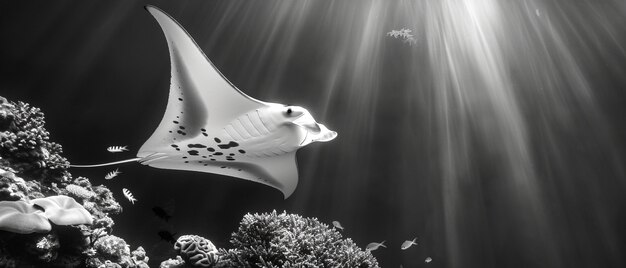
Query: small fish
[167,236]
[129,195]
[337,225]
[117,149]
[160,212]
[428,260]
[374,246]
[407,244]
[112,174]
[537,13]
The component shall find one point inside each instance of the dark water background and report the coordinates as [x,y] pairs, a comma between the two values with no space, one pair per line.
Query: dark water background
[498,139]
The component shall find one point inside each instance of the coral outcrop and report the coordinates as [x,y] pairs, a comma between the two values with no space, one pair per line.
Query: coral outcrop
[289,240]
[32,171]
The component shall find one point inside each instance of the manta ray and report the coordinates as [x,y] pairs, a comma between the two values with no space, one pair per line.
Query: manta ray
[211,126]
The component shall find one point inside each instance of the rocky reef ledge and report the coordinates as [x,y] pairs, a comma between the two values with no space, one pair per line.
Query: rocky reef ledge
[50,219]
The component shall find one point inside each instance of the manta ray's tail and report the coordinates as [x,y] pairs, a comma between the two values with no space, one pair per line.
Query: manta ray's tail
[109,164]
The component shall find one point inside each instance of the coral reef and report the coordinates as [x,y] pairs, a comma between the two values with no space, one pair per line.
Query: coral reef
[26,149]
[196,250]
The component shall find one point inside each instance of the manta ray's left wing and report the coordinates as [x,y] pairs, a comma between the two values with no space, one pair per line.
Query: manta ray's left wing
[199,94]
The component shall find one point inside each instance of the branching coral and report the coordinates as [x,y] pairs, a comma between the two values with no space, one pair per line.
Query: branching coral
[289,240]
[196,250]
[25,144]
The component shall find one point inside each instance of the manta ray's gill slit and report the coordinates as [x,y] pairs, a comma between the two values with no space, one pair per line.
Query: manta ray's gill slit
[232,132]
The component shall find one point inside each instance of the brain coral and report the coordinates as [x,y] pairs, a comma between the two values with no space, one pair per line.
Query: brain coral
[196,250]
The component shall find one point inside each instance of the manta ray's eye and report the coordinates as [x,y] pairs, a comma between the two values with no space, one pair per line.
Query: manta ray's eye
[289,111]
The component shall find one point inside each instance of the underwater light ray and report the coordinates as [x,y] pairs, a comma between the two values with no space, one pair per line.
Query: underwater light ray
[362,91]
[478,107]
[564,102]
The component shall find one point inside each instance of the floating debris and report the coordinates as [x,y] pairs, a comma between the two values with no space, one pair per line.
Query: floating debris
[337,225]
[129,195]
[407,244]
[374,246]
[112,174]
[404,34]
[428,260]
[117,149]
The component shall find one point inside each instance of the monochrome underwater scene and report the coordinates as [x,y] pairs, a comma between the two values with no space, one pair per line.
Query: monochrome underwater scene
[313,133]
